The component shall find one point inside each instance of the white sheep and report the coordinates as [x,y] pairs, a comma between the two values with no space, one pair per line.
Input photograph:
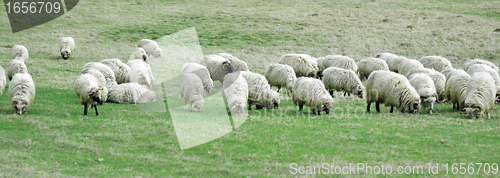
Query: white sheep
[302,64]
[140,72]
[67,47]
[455,90]
[393,61]
[437,63]
[480,98]
[259,91]
[218,66]
[16,66]
[20,52]
[90,91]
[131,93]
[235,93]
[192,92]
[97,74]
[151,48]
[105,70]
[450,72]
[393,90]
[21,92]
[238,65]
[485,68]
[438,78]
[140,53]
[342,80]
[406,65]
[469,63]
[312,93]
[384,56]
[202,72]
[340,61]
[281,75]
[120,69]
[3,80]
[425,89]
[368,65]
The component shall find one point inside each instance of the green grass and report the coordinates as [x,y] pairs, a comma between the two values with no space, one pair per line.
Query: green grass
[124,141]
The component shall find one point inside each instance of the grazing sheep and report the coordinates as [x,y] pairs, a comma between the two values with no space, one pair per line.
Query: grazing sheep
[480,61]
[259,91]
[105,70]
[455,90]
[89,91]
[480,98]
[151,48]
[437,63]
[344,62]
[384,56]
[342,80]
[140,53]
[140,72]
[202,72]
[97,74]
[235,93]
[192,92]
[407,65]
[393,61]
[238,65]
[20,52]
[312,93]
[21,92]
[425,89]
[16,66]
[485,68]
[393,90]
[438,78]
[120,69]
[218,66]
[3,80]
[368,65]
[67,47]
[302,64]
[450,72]
[131,93]
[281,75]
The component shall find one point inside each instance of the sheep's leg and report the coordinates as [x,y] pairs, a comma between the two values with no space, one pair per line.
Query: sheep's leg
[392,109]
[368,107]
[185,106]
[454,106]
[345,93]
[430,111]
[331,93]
[377,107]
[488,114]
[250,106]
[319,112]
[258,106]
[96,113]
[278,89]
[348,93]
[301,107]
[288,92]
[85,109]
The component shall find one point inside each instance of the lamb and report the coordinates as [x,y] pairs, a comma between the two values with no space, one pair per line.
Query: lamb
[218,66]
[140,53]
[425,89]
[16,66]
[438,78]
[480,98]
[480,61]
[259,91]
[302,64]
[485,68]
[67,47]
[235,93]
[455,90]
[202,72]
[368,65]
[131,93]
[339,61]
[192,92]
[21,92]
[450,72]
[3,80]
[105,70]
[281,75]
[393,90]
[90,91]
[437,63]
[151,48]
[407,65]
[120,69]
[312,93]
[238,65]
[342,80]
[20,52]
[140,72]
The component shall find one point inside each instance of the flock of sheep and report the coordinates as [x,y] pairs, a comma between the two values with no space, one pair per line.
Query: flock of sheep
[392,80]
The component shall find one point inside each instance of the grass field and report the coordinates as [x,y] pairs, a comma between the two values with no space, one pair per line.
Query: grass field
[56,140]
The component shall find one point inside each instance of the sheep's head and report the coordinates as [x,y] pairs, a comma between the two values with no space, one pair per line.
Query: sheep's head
[95,95]
[360,91]
[227,67]
[238,108]
[473,111]
[414,107]
[197,105]
[147,97]
[140,53]
[428,102]
[20,104]
[65,54]
[208,87]
[158,53]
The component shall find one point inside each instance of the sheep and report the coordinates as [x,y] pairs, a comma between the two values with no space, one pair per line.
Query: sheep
[120,69]
[480,61]
[140,53]
[202,72]
[235,93]
[342,80]
[140,72]
[368,65]
[425,89]
[3,80]
[281,75]
[151,48]
[480,98]
[105,70]
[312,93]
[302,64]
[438,78]
[97,74]
[20,52]
[450,72]
[485,68]
[437,63]
[67,47]
[90,91]
[393,90]
[393,61]
[259,92]
[238,65]
[131,93]
[21,92]
[16,66]
[455,90]
[218,66]
[406,65]
[192,92]
[339,61]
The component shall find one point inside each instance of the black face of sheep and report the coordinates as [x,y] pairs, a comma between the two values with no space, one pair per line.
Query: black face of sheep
[65,55]
[20,107]
[276,105]
[144,57]
[360,94]
[414,108]
[473,112]
[227,67]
